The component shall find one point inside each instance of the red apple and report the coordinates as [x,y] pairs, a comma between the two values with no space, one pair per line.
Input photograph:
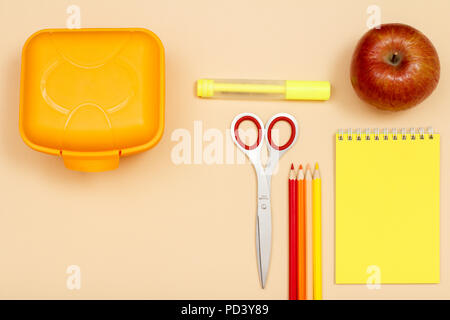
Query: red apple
[394,67]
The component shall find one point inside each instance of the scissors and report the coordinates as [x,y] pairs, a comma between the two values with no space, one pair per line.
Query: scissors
[264,175]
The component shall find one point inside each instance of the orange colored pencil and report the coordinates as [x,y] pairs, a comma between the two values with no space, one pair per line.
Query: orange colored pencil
[309,233]
[301,234]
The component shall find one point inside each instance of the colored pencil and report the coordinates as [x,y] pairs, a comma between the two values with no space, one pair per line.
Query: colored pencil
[293,242]
[309,233]
[317,234]
[301,235]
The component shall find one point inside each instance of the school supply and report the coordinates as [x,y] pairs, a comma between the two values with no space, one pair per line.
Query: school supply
[309,232]
[264,176]
[263,89]
[317,234]
[293,236]
[387,206]
[92,96]
[301,234]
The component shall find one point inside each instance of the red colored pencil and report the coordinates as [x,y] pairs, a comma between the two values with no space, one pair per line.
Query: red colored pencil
[293,236]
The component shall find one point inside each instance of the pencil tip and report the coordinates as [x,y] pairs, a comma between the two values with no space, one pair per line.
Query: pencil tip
[308,167]
[292,166]
[317,165]
[301,167]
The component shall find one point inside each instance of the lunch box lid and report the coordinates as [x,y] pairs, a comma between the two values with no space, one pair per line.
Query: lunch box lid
[92,95]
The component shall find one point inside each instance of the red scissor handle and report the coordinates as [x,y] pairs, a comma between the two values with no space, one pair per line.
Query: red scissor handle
[291,138]
[236,132]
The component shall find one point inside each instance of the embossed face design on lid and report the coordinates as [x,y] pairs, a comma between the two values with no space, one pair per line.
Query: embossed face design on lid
[90,93]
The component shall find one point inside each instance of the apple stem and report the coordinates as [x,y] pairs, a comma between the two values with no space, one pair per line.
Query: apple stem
[394,58]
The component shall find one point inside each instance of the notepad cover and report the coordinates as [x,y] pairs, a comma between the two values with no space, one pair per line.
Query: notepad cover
[387,210]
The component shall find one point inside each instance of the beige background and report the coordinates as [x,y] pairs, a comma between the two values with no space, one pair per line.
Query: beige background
[155,230]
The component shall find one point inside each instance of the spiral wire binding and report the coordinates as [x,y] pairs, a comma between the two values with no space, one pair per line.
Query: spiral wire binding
[377,134]
[403,133]
[421,134]
[414,134]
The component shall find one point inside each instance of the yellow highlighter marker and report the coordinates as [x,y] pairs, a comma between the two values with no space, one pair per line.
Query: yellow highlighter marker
[263,89]
[317,235]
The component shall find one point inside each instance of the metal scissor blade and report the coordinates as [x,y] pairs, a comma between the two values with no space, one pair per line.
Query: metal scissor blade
[263,245]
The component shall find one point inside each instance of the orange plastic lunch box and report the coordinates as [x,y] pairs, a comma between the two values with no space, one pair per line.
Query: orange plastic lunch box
[92,95]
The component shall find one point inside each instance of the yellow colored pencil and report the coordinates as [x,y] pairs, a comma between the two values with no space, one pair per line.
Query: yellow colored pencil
[317,234]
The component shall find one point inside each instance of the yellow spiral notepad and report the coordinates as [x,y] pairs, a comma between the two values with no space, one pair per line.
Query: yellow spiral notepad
[387,207]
